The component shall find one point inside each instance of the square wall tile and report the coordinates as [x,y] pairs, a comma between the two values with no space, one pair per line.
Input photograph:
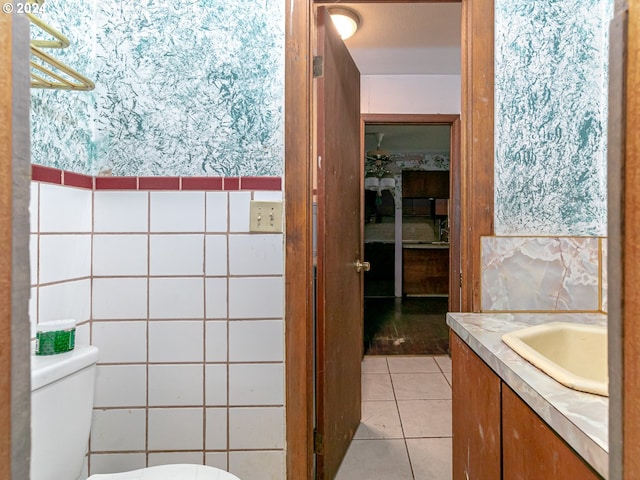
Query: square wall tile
[215,384]
[216,429]
[172,458]
[216,341]
[180,341]
[176,298]
[218,460]
[33,310]
[256,384]
[216,254]
[117,462]
[34,202]
[176,385]
[83,334]
[118,430]
[217,207]
[604,281]
[33,259]
[65,209]
[268,195]
[64,257]
[216,297]
[121,255]
[256,428]
[176,255]
[120,386]
[177,211]
[121,211]
[256,341]
[256,254]
[257,465]
[119,298]
[175,429]
[120,342]
[65,300]
[256,297]
[239,211]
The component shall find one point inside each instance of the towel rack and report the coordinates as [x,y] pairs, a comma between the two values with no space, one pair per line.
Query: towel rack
[49,78]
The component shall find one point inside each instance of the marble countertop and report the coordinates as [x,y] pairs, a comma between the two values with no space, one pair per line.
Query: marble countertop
[581,419]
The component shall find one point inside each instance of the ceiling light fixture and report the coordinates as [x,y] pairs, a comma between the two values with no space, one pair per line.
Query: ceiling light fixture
[346,21]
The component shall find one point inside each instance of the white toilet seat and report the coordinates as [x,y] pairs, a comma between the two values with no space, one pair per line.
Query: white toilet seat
[169,472]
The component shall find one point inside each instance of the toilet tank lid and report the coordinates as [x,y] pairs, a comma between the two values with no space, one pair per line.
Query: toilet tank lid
[179,471]
[50,368]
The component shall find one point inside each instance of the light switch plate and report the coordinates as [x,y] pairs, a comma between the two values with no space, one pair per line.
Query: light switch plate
[265,216]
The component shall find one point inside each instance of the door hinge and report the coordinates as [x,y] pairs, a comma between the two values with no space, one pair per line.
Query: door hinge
[460,280]
[318,444]
[317,66]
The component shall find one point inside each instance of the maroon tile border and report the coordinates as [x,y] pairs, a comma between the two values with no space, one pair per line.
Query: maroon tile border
[77,180]
[260,183]
[158,183]
[116,183]
[46,174]
[201,183]
[40,173]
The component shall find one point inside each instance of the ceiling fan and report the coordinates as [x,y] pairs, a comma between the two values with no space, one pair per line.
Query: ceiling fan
[378,153]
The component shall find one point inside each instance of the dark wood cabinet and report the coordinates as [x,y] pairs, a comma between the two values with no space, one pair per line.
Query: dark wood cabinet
[497,435]
[425,184]
[425,271]
[476,416]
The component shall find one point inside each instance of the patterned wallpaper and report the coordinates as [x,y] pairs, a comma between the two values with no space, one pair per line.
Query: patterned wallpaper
[183,87]
[551,114]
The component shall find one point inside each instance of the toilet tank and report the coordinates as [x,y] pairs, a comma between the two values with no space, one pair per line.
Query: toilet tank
[62,388]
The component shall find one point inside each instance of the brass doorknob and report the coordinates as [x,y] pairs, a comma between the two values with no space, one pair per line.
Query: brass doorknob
[362,266]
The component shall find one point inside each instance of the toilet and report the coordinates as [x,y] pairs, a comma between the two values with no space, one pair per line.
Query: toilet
[61,407]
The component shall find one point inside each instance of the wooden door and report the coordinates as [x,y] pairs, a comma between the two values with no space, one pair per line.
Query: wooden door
[339,343]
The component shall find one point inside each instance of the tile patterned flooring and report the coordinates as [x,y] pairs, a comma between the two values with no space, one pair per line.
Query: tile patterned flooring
[405,432]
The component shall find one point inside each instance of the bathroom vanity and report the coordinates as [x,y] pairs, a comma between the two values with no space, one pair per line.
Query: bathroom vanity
[510,420]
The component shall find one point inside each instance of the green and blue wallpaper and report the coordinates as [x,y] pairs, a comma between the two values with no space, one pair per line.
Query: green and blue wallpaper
[183,87]
[551,61]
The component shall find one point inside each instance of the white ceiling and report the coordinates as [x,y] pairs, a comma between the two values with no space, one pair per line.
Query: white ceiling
[406,38]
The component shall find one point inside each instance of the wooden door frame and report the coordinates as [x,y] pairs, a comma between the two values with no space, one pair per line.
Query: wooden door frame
[453,120]
[476,197]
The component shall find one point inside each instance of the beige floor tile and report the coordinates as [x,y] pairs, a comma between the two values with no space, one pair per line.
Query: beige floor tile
[376,460]
[420,386]
[374,364]
[424,364]
[430,458]
[379,420]
[444,362]
[448,377]
[425,418]
[376,386]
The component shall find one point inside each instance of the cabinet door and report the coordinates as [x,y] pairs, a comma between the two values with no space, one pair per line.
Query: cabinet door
[531,450]
[476,416]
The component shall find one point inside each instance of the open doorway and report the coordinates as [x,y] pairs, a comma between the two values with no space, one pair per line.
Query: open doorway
[410,225]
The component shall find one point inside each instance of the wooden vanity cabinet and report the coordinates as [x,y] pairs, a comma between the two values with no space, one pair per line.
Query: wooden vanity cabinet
[496,435]
[476,415]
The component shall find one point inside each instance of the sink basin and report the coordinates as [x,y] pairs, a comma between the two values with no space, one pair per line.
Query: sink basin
[573,354]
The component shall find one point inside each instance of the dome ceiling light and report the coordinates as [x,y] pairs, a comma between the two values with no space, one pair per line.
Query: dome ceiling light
[346,21]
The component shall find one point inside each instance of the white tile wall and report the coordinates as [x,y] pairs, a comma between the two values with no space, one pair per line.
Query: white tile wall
[64,257]
[180,341]
[116,211]
[176,297]
[34,203]
[175,429]
[217,211]
[256,254]
[119,298]
[186,308]
[118,430]
[120,255]
[64,209]
[256,297]
[177,212]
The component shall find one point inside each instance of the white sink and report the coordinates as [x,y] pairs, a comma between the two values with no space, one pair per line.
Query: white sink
[573,354]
